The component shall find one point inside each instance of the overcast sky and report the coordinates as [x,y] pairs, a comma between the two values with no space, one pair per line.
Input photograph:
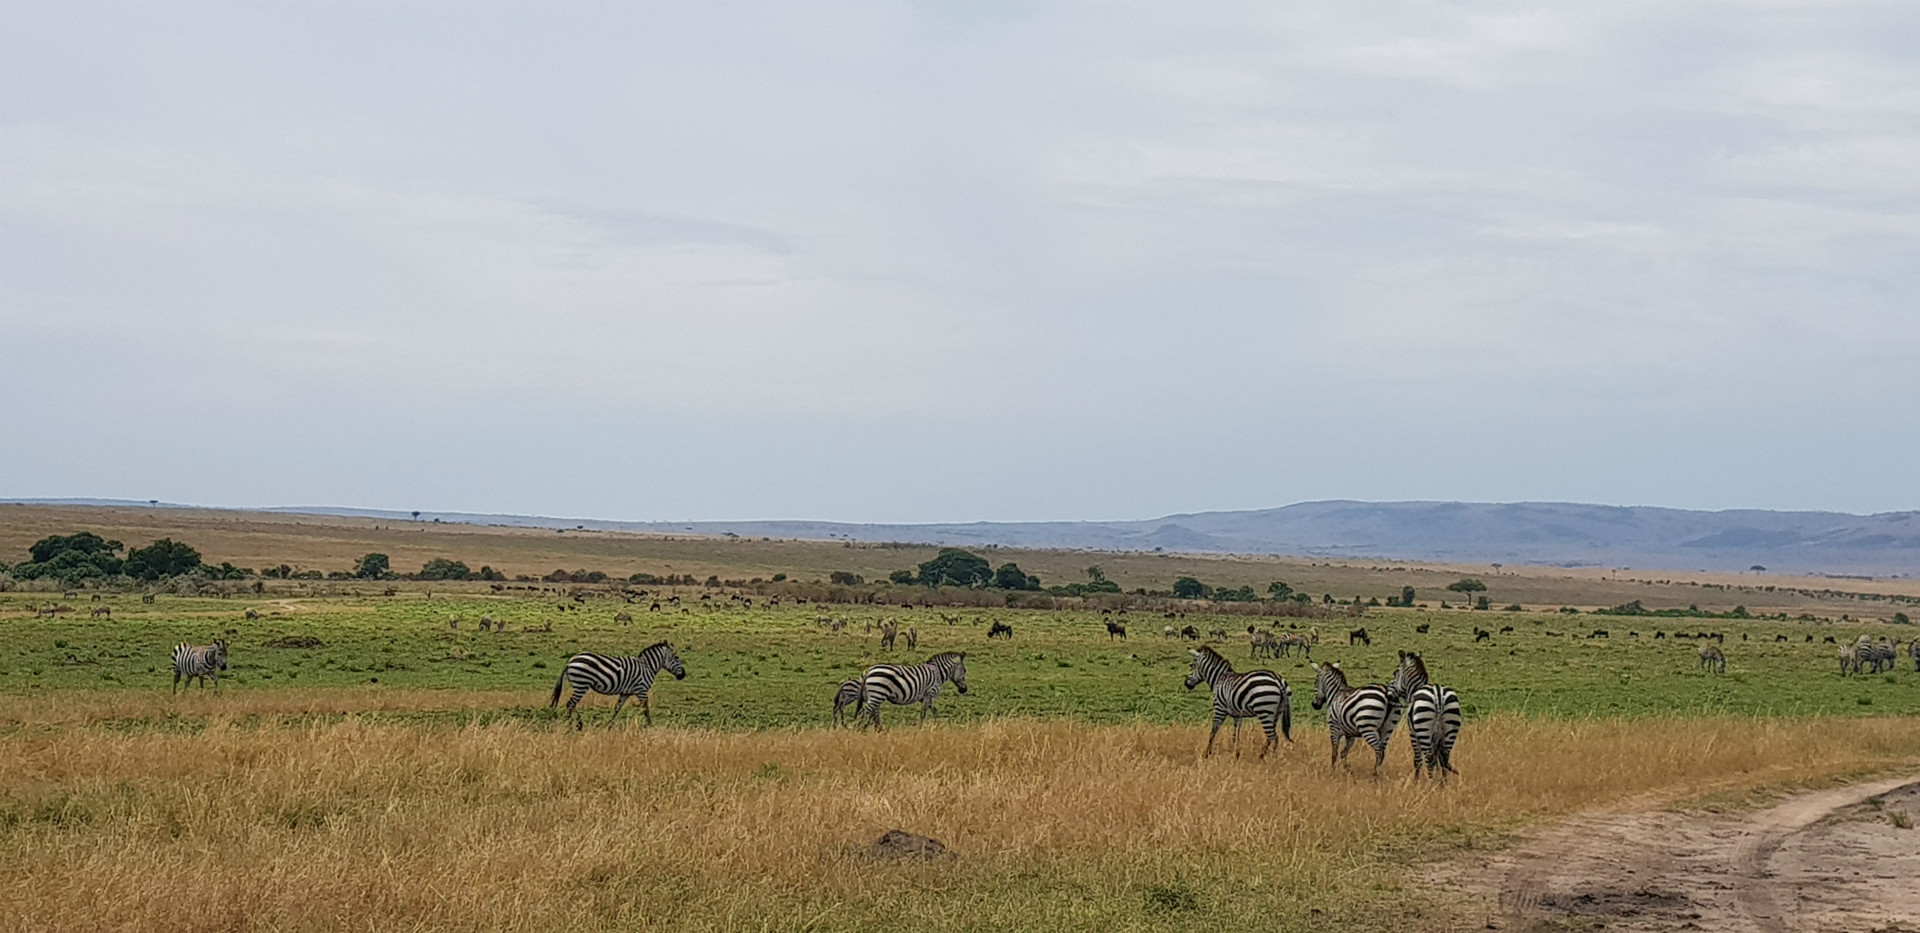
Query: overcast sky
[961,261]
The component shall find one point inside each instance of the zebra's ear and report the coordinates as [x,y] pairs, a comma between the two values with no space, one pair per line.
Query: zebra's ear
[1194,651]
[1403,654]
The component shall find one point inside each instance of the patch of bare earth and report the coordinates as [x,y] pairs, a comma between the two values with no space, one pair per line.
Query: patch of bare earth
[1830,860]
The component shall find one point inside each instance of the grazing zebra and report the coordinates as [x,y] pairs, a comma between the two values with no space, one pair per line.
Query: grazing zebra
[1883,657]
[913,638]
[901,684]
[1713,659]
[1913,648]
[1261,695]
[1168,631]
[888,632]
[202,661]
[621,617]
[1217,634]
[1849,659]
[622,677]
[102,611]
[847,695]
[1352,712]
[1433,722]
[1259,643]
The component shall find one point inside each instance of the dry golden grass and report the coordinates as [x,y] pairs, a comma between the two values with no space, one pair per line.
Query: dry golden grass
[371,823]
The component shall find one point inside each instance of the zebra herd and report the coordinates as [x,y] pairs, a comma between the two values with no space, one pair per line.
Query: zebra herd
[1865,653]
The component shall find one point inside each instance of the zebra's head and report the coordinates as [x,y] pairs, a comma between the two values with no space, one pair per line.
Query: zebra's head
[671,662]
[220,653]
[953,666]
[1411,675]
[1206,662]
[1328,679]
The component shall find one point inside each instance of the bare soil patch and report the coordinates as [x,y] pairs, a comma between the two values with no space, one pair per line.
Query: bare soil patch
[1832,859]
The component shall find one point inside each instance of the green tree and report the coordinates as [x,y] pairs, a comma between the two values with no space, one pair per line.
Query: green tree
[902,577]
[1406,596]
[372,567]
[956,567]
[1096,575]
[1011,577]
[845,578]
[1188,588]
[441,568]
[1279,591]
[1467,586]
[72,557]
[163,558]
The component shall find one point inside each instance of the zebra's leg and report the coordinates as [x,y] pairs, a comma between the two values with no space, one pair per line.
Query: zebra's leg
[573,708]
[1218,718]
[1379,743]
[176,677]
[617,703]
[646,707]
[1333,742]
[1236,736]
[1273,736]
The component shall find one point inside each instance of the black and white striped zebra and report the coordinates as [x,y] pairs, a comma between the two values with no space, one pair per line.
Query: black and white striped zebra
[901,684]
[1433,722]
[622,677]
[1433,713]
[848,695]
[201,661]
[1259,695]
[1352,712]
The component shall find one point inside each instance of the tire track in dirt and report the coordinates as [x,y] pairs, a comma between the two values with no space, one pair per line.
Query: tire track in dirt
[1714,872]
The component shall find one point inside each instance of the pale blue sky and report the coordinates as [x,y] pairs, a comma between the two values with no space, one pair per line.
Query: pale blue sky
[948,262]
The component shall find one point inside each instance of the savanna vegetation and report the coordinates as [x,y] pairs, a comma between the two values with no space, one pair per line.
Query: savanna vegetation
[372,758]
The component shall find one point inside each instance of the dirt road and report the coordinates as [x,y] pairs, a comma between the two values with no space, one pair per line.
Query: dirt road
[1831,860]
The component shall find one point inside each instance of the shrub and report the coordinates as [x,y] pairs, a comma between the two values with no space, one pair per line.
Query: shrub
[372,567]
[845,578]
[163,558]
[441,568]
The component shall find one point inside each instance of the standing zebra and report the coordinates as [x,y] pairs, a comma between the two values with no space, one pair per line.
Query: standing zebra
[1433,721]
[1261,695]
[202,661]
[901,684]
[1352,712]
[1433,714]
[1713,659]
[847,695]
[622,677]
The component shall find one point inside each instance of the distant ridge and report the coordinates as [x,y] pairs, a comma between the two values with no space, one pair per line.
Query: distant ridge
[1551,533]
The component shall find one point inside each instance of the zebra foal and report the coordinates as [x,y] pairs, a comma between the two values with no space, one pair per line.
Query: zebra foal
[201,661]
[1259,695]
[901,684]
[848,695]
[621,677]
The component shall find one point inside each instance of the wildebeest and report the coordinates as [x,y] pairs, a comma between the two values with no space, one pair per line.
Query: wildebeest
[1422,627]
[99,611]
[1600,633]
[1000,629]
[1659,634]
[252,614]
[622,618]
[1506,629]
[1190,633]
[1358,637]
[1116,629]
[1480,635]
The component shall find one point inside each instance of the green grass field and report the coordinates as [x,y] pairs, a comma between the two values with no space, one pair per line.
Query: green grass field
[759,668]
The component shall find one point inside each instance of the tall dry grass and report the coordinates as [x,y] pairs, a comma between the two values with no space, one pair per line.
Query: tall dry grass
[373,824]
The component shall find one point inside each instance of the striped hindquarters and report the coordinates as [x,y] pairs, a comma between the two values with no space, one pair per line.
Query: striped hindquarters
[1433,720]
[199,660]
[848,695]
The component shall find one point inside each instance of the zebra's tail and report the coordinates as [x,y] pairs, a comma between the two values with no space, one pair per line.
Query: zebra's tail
[1286,715]
[557,686]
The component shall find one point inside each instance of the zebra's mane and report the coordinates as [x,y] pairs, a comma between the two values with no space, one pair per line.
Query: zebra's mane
[1207,651]
[1419,666]
[956,655]
[657,644]
[1339,675]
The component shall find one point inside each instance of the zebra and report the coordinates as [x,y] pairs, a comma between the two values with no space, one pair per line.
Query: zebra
[1913,648]
[1352,712]
[1849,659]
[1259,643]
[1713,659]
[1431,727]
[201,661]
[901,684]
[847,695]
[1883,657]
[622,677]
[1433,723]
[1261,695]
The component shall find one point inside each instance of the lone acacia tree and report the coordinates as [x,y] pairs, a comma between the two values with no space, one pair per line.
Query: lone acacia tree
[1467,586]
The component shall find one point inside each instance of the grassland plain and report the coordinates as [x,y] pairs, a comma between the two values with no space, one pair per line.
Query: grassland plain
[404,774]
[329,543]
